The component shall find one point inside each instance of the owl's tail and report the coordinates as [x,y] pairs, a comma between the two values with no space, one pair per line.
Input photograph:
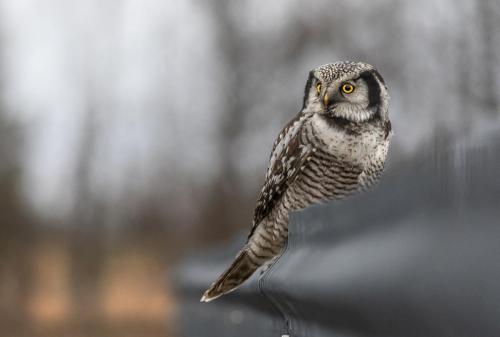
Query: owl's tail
[240,270]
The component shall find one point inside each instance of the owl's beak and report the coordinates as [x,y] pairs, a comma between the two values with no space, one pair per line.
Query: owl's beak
[326,99]
[329,99]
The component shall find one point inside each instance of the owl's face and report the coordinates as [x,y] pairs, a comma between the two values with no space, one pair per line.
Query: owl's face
[349,91]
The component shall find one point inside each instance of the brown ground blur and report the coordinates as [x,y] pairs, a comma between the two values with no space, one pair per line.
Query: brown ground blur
[132,299]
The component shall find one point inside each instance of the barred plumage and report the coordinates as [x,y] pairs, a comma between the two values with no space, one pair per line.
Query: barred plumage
[335,146]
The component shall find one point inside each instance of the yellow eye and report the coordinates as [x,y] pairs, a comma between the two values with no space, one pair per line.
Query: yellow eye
[347,88]
[318,88]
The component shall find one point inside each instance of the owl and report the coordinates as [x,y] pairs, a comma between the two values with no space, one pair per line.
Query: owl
[335,146]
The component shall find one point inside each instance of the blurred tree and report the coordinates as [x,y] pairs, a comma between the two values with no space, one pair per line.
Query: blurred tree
[87,238]
[489,17]
[17,230]
[228,206]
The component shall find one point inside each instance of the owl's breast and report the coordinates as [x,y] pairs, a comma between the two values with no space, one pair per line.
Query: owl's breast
[357,147]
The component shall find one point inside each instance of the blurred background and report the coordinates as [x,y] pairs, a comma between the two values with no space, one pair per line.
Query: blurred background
[133,133]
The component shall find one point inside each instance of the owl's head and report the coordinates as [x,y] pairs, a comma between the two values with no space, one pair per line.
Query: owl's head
[349,91]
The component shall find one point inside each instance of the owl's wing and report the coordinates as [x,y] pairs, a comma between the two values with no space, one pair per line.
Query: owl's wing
[288,155]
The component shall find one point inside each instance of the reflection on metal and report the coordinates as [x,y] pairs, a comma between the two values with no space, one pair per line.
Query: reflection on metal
[418,256]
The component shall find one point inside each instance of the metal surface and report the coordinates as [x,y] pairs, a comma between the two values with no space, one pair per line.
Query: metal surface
[418,256]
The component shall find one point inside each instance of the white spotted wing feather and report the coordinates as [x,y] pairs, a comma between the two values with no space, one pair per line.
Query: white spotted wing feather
[288,155]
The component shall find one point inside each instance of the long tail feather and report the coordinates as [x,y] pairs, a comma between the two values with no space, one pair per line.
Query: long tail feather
[239,271]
